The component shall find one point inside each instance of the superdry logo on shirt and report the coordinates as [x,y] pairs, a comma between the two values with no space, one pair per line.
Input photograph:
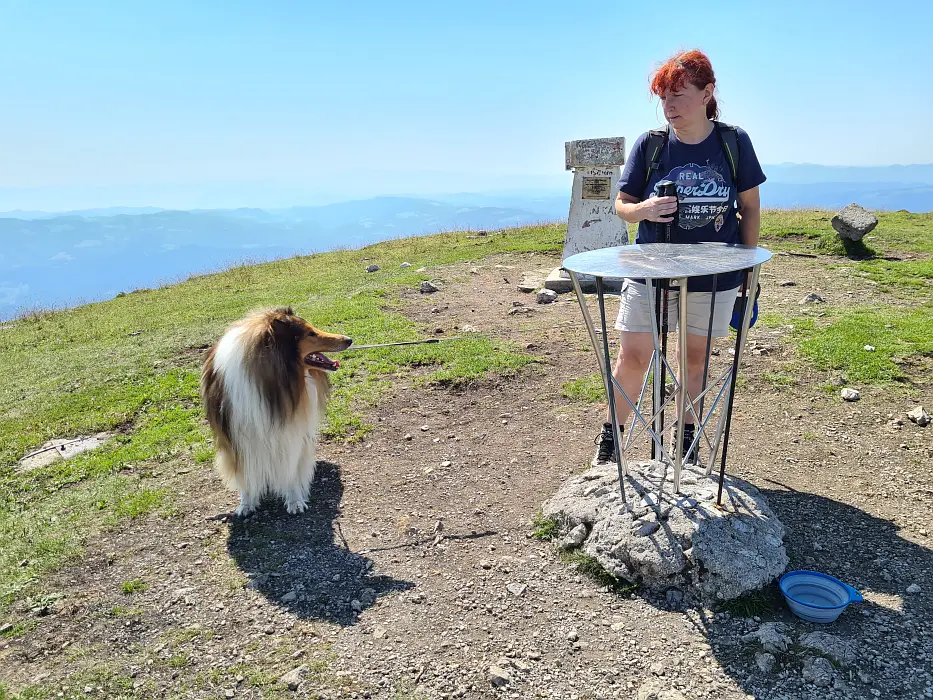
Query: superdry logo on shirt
[702,195]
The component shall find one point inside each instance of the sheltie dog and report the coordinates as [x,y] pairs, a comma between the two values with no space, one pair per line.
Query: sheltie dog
[264,386]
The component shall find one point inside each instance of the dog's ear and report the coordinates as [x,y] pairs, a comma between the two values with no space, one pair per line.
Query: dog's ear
[285,328]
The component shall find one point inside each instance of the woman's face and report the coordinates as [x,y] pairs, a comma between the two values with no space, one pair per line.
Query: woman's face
[686,105]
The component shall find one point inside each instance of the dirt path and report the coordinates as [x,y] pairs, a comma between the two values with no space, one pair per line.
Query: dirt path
[416,571]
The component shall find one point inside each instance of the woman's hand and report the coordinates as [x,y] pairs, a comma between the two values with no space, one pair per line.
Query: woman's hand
[659,209]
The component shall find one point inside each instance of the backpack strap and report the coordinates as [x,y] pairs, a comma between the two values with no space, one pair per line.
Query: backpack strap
[729,140]
[654,146]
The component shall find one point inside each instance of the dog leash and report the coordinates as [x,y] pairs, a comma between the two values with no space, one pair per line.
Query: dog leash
[410,342]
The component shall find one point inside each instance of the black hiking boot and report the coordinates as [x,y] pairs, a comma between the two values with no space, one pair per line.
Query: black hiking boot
[606,454]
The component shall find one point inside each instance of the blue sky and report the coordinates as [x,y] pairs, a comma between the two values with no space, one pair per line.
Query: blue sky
[147,97]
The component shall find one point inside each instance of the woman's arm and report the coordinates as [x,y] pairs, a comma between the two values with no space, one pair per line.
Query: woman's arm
[657,209]
[750,220]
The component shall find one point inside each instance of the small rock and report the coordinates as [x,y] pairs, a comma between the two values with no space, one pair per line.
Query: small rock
[229,693]
[405,265]
[367,597]
[293,678]
[408,435]
[575,537]
[812,298]
[818,671]
[446,463]
[771,637]
[485,564]
[519,310]
[466,328]
[516,588]
[836,648]
[787,283]
[869,348]
[4,628]
[356,605]
[837,381]
[425,428]
[372,268]
[546,296]
[427,287]
[289,597]
[529,282]
[674,596]
[850,394]
[656,690]
[765,661]
[422,269]
[913,589]
[380,632]
[853,222]
[648,528]
[572,636]
[919,416]
[499,676]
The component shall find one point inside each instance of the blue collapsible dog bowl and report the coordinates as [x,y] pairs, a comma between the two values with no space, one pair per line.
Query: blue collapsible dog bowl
[816,597]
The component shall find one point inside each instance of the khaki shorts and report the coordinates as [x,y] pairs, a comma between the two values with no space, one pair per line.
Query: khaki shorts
[635,311]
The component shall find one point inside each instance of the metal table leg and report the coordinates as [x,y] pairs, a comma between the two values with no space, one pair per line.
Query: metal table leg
[682,380]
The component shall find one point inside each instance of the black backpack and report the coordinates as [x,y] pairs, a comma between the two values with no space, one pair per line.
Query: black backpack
[728,139]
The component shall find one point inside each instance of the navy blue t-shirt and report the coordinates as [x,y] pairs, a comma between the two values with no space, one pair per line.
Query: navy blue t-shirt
[706,195]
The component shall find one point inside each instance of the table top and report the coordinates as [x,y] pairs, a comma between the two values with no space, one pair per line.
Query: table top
[665,260]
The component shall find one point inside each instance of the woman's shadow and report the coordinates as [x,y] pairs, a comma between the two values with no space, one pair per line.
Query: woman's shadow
[868,553]
[297,563]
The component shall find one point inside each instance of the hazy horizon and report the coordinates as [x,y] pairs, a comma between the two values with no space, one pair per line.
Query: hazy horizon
[344,186]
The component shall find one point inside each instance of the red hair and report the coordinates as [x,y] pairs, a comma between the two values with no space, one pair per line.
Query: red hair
[686,67]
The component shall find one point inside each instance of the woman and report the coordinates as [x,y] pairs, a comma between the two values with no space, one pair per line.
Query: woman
[692,155]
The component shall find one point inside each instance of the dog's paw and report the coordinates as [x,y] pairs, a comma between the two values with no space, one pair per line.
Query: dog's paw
[299,507]
[244,510]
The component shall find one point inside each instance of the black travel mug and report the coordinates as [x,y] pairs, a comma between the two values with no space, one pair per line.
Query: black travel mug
[666,188]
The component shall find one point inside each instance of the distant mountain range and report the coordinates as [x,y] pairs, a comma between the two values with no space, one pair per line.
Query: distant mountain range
[62,260]
[54,259]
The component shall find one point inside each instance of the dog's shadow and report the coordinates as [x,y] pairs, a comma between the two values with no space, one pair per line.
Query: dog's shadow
[296,561]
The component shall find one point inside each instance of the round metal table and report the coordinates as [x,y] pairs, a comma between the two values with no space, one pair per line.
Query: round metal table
[661,266]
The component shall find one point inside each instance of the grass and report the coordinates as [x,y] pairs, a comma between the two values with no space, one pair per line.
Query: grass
[545,528]
[110,684]
[810,230]
[778,380]
[134,586]
[759,603]
[837,342]
[832,244]
[592,569]
[131,366]
[896,334]
[587,389]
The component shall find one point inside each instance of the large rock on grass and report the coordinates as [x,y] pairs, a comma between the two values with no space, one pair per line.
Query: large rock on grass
[854,222]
